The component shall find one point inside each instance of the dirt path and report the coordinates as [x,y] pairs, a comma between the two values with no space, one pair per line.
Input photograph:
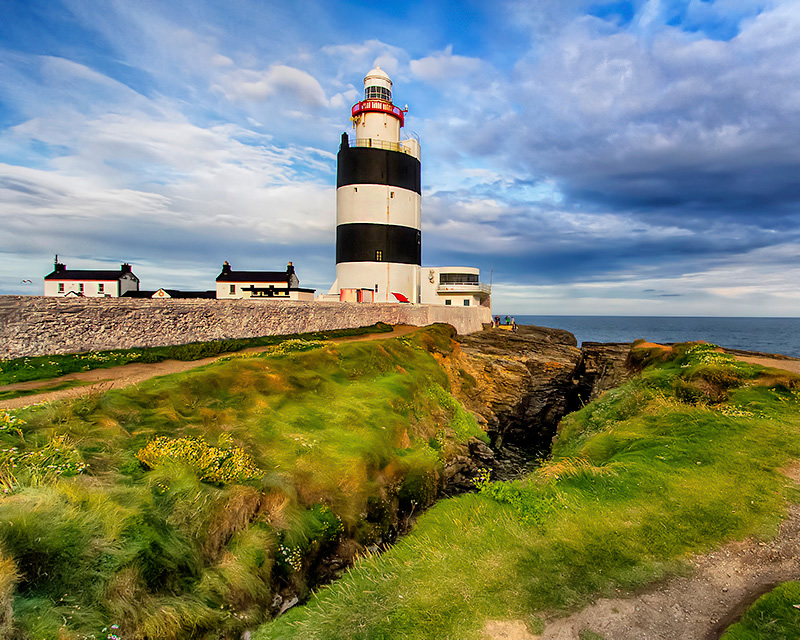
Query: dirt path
[698,607]
[136,372]
[701,606]
[791,365]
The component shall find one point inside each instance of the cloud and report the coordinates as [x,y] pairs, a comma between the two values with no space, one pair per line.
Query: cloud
[278,80]
[444,66]
[679,123]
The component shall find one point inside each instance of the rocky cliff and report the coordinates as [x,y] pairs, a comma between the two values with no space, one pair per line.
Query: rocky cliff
[521,384]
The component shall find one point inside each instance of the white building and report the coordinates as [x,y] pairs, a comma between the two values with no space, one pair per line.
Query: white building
[279,285]
[378,214]
[89,283]
[453,286]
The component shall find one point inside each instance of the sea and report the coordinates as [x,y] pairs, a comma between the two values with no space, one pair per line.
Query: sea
[768,335]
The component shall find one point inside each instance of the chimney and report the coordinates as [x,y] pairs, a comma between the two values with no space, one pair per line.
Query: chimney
[289,269]
[125,268]
[345,141]
[226,268]
[57,266]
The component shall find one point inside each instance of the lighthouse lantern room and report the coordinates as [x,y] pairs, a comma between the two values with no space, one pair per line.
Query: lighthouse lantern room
[378,197]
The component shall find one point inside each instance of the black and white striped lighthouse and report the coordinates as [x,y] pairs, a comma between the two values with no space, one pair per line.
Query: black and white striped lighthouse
[378,193]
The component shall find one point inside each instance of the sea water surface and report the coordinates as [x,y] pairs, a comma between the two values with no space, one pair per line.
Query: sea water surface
[769,335]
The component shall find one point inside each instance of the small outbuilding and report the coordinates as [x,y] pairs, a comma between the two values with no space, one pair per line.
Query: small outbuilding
[277,285]
[89,283]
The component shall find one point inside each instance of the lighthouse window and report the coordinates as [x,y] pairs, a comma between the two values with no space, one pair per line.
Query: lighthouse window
[378,255]
[377,93]
[391,194]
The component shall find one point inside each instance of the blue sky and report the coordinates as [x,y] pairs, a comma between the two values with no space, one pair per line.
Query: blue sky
[636,157]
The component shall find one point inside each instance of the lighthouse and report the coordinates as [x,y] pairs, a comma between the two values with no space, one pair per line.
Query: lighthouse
[378,194]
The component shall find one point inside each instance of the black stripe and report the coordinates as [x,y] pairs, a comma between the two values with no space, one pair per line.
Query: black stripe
[361,242]
[364,165]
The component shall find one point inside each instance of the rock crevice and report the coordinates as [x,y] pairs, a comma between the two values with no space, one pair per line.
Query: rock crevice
[520,384]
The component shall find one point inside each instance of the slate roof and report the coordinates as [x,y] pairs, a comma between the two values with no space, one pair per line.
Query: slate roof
[253,276]
[87,274]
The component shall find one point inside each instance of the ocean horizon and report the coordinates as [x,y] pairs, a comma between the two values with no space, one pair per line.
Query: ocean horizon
[768,335]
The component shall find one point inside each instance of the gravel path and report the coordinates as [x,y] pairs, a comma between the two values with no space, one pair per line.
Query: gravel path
[136,372]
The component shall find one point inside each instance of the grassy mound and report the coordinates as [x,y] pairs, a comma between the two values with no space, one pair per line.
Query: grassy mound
[179,508]
[53,366]
[774,616]
[638,480]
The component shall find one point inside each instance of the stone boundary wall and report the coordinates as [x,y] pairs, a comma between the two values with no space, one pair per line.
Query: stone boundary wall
[35,325]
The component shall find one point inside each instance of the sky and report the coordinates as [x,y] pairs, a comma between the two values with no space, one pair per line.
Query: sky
[633,157]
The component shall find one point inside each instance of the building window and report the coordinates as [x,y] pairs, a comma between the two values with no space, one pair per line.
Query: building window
[355,189]
[101,288]
[448,302]
[232,289]
[379,255]
[80,287]
[61,287]
[391,194]
[466,302]
[458,278]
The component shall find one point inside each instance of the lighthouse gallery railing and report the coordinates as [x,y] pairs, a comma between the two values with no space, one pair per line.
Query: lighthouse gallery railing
[376,143]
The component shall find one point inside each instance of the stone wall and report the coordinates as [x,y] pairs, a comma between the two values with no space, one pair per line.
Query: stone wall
[35,325]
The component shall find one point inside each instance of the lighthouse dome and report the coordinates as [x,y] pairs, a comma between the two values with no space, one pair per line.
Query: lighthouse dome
[378,85]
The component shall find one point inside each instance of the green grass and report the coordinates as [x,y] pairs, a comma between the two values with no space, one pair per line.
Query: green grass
[774,616]
[637,482]
[67,384]
[53,366]
[177,508]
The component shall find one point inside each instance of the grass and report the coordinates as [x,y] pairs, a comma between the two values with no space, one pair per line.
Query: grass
[53,366]
[638,481]
[774,616]
[67,384]
[179,507]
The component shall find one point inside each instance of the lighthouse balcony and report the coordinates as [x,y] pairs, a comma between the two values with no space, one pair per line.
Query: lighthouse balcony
[377,143]
[378,106]
[475,288]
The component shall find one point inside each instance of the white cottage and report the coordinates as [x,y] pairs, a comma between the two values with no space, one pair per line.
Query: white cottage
[89,283]
[276,285]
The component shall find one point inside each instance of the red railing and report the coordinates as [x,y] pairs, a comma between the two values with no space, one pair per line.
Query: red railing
[380,107]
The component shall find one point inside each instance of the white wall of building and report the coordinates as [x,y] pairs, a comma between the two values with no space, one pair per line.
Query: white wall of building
[236,291]
[378,203]
[91,288]
[388,276]
[378,126]
[434,291]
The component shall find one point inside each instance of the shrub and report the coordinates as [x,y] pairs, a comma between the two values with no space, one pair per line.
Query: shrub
[212,464]
[529,503]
